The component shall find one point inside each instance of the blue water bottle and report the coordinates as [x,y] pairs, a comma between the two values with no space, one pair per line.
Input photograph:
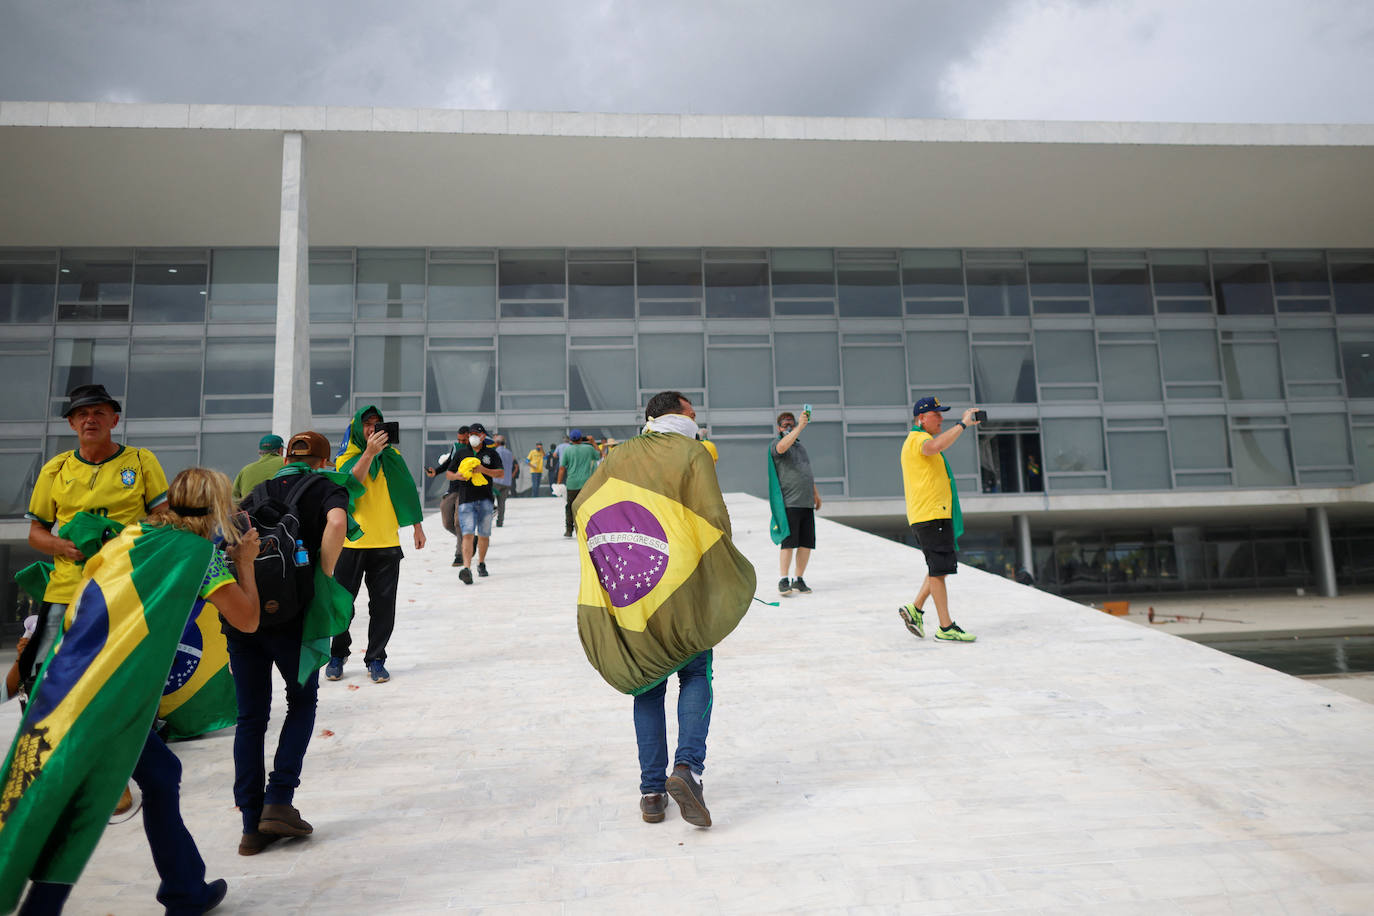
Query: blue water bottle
[302,555]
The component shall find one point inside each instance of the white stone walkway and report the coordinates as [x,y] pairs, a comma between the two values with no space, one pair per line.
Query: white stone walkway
[1068,762]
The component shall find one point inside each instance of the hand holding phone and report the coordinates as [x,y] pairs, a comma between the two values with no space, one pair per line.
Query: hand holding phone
[980,416]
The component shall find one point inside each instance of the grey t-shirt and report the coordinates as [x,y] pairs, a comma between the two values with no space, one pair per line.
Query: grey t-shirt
[794,476]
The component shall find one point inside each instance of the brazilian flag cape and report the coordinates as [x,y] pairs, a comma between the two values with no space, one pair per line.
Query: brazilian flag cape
[400,483]
[94,703]
[778,529]
[661,579]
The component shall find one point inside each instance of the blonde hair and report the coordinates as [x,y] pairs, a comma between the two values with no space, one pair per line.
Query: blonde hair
[199,488]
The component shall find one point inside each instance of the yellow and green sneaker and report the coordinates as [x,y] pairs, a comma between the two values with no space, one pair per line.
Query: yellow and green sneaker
[913,618]
[952,633]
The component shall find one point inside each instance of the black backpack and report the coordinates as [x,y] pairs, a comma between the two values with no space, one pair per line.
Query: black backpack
[284,586]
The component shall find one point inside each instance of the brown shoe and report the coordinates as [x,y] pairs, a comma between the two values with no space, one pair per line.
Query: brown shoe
[250,844]
[283,820]
[652,806]
[688,794]
[126,801]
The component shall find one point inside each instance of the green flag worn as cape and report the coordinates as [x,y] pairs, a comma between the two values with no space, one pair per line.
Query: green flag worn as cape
[778,530]
[405,498]
[90,712]
[661,579]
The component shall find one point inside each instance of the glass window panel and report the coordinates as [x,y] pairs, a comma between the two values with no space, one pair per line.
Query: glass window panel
[85,362]
[1261,457]
[933,275]
[1004,374]
[242,366]
[391,275]
[671,362]
[602,380]
[459,292]
[599,290]
[938,358]
[1140,461]
[532,276]
[1130,373]
[873,465]
[1121,291]
[1353,287]
[20,469]
[461,381]
[803,273]
[806,359]
[331,376]
[1181,274]
[740,468]
[229,452]
[1357,356]
[331,292]
[24,379]
[1073,444]
[1320,440]
[170,292]
[1301,275]
[1309,354]
[1251,371]
[392,363]
[1243,289]
[874,376]
[869,290]
[1069,393]
[739,377]
[1189,356]
[93,277]
[1066,356]
[1364,454]
[1066,279]
[997,291]
[27,292]
[736,290]
[665,277]
[669,308]
[533,362]
[243,284]
[796,307]
[164,379]
[825,445]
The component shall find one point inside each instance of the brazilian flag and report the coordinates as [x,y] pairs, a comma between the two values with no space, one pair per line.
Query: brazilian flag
[91,709]
[661,579]
[199,694]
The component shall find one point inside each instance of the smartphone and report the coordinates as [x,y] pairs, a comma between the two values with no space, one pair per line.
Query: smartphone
[241,522]
[980,416]
[393,432]
[806,409]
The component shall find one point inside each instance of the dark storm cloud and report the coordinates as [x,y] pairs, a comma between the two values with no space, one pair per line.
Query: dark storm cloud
[878,58]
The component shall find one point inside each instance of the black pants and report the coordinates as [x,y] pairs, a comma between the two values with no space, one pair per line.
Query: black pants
[501,493]
[381,567]
[568,513]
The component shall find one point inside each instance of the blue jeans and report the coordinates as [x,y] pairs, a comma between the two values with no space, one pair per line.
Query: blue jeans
[475,517]
[535,478]
[179,865]
[694,696]
[251,658]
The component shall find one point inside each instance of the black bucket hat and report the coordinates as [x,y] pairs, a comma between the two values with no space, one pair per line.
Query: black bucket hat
[86,395]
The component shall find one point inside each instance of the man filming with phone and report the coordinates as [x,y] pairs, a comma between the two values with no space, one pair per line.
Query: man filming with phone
[792,493]
[932,510]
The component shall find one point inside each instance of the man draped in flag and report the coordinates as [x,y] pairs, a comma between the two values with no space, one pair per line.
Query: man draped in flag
[662,584]
[932,510]
[87,725]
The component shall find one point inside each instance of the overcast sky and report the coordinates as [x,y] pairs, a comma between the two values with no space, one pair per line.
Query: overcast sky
[1127,60]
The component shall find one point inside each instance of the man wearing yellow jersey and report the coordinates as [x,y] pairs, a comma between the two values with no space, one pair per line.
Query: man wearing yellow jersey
[101,476]
[932,507]
[535,459]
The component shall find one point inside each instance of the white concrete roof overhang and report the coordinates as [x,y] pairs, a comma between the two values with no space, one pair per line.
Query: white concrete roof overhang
[174,175]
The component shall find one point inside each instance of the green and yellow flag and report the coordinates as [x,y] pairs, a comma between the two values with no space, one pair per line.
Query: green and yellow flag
[94,703]
[199,694]
[661,579]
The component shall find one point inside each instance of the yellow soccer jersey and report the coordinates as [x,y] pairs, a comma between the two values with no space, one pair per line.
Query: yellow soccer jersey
[123,487]
[373,511]
[925,481]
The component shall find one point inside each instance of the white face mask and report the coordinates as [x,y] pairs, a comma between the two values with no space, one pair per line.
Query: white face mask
[474,441]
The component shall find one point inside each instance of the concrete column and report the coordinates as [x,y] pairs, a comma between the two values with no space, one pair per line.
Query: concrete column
[291,370]
[1025,556]
[1322,556]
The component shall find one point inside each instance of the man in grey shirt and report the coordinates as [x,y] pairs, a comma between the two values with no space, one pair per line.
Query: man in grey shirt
[502,486]
[801,498]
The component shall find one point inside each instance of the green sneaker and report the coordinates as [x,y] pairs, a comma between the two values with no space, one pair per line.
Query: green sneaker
[913,618]
[952,633]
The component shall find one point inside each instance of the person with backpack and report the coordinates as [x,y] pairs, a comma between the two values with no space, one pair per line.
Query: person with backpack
[301,518]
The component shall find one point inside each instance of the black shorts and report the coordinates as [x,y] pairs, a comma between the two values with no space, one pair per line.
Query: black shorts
[936,538]
[801,529]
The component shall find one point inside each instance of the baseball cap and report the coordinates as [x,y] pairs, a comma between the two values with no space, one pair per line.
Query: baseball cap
[308,444]
[575,435]
[269,443]
[86,395]
[926,405]
[477,428]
